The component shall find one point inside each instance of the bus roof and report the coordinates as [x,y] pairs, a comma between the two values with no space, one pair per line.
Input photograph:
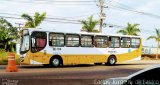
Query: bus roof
[85,33]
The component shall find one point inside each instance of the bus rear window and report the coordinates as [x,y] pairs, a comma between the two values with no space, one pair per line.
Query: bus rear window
[125,42]
[135,42]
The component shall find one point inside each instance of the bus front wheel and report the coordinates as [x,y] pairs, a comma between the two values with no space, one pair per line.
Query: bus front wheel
[111,60]
[55,62]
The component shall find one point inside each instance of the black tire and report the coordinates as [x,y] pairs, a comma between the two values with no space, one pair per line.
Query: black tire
[111,60]
[55,62]
[98,63]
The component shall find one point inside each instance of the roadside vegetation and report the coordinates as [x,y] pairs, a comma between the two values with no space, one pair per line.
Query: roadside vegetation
[8,37]
[9,34]
[156,37]
[35,21]
[4,58]
[131,29]
[89,25]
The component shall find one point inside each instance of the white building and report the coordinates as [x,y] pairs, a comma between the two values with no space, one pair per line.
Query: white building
[149,50]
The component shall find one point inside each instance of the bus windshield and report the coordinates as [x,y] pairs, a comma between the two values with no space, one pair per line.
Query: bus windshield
[24,43]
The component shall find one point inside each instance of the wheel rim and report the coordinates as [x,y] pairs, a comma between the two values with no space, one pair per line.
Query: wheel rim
[112,61]
[55,62]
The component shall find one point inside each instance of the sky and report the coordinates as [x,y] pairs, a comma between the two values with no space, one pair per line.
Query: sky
[81,10]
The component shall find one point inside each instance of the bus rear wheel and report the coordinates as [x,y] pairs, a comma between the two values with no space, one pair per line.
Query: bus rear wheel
[111,60]
[55,62]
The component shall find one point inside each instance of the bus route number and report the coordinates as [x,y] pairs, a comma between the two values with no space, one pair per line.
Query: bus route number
[56,49]
[112,52]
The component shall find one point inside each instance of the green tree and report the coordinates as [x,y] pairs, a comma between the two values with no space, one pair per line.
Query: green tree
[156,38]
[33,22]
[8,33]
[89,26]
[131,29]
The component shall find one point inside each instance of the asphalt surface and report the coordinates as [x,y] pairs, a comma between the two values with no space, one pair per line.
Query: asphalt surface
[70,75]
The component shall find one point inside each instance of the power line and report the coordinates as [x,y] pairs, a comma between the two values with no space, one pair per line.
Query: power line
[67,0]
[55,20]
[78,16]
[125,7]
[59,2]
[10,17]
[62,18]
[44,20]
[67,22]
[140,12]
[46,17]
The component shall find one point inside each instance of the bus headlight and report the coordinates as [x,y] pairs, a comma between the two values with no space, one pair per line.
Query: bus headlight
[21,59]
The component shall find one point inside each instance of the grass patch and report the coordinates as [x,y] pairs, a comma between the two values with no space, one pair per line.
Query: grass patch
[4,58]
[150,56]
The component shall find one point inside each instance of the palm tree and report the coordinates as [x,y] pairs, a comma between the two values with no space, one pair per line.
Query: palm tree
[157,39]
[33,22]
[130,29]
[89,26]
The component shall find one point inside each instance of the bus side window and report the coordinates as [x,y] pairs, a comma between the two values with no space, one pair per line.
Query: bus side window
[101,41]
[72,40]
[56,39]
[87,40]
[125,42]
[115,42]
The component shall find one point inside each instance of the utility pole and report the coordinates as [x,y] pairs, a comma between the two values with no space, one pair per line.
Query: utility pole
[19,30]
[18,40]
[19,26]
[101,5]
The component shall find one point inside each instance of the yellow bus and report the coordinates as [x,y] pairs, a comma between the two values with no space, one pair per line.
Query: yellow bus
[54,48]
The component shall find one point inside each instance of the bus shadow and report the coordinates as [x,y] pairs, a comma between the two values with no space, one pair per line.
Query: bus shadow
[82,65]
[79,65]
[66,66]
[135,64]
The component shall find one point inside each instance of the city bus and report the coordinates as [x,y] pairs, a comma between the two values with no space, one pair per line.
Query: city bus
[55,48]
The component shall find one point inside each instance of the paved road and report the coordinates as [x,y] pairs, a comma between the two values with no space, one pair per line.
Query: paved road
[71,75]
